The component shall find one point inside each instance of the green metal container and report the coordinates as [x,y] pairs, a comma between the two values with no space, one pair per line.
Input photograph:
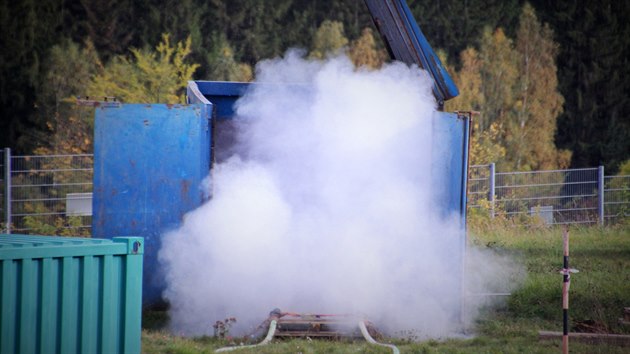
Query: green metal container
[70,295]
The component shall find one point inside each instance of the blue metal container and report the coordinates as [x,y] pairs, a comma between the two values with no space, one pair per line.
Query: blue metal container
[450,140]
[149,163]
[406,42]
[449,159]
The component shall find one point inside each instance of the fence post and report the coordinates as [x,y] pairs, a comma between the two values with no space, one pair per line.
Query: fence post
[600,194]
[491,188]
[7,189]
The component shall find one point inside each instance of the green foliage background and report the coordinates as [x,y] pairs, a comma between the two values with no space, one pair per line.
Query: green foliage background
[592,41]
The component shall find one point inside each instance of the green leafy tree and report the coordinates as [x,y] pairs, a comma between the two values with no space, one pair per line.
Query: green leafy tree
[148,76]
[485,145]
[468,80]
[530,132]
[515,87]
[328,39]
[499,73]
[69,69]
[223,66]
[364,51]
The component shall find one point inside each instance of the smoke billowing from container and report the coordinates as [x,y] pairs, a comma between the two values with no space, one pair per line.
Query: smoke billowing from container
[324,207]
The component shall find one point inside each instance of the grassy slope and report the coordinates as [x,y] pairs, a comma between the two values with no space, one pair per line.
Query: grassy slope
[598,294]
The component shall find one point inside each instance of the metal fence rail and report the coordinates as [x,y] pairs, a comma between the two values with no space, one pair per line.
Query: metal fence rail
[3,199]
[616,197]
[52,194]
[576,196]
[47,194]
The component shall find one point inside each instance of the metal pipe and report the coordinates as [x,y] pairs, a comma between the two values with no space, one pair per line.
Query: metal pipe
[600,191]
[491,189]
[371,340]
[7,190]
[566,282]
[267,340]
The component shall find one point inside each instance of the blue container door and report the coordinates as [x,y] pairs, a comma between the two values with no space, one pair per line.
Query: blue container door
[449,162]
[149,164]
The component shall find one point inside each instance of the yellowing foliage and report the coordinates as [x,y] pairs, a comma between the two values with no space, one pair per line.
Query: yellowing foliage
[328,39]
[364,52]
[226,68]
[514,85]
[150,77]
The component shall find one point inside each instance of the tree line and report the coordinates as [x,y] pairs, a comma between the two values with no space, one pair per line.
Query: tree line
[550,79]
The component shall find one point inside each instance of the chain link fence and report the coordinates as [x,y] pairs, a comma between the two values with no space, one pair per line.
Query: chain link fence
[50,195]
[616,197]
[575,196]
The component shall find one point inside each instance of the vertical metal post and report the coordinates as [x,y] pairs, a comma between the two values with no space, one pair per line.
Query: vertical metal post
[7,189]
[491,188]
[600,194]
[566,283]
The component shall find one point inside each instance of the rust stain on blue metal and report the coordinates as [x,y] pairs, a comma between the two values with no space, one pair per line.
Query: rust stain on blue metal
[185,189]
[148,168]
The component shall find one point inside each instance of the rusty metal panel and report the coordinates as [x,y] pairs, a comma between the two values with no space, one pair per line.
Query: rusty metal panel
[149,164]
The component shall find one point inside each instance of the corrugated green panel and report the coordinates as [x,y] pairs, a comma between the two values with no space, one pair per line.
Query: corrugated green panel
[9,310]
[28,306]
[70,295]
[48,301]
[68,310]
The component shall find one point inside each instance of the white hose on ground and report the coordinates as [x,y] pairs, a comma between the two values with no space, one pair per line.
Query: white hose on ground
[270,333]
[371,340]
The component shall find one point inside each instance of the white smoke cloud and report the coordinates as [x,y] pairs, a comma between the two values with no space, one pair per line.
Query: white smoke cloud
[325,207]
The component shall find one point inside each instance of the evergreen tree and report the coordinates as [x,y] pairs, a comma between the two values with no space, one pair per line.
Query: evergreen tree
[69,69]
[594,76]
[455,25]
[223,67]
[254,28]
[27,30]
[184,18]
[111,25]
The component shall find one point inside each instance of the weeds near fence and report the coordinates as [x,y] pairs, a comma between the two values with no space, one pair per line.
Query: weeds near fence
[43,191]
[60,226]
[487,217]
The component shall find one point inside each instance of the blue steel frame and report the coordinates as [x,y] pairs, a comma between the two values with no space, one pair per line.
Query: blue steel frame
[406,42]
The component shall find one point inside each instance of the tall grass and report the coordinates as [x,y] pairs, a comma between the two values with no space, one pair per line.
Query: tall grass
[597,296]
[598,292]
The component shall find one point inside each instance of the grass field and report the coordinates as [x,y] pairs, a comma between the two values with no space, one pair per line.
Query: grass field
[598,294]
